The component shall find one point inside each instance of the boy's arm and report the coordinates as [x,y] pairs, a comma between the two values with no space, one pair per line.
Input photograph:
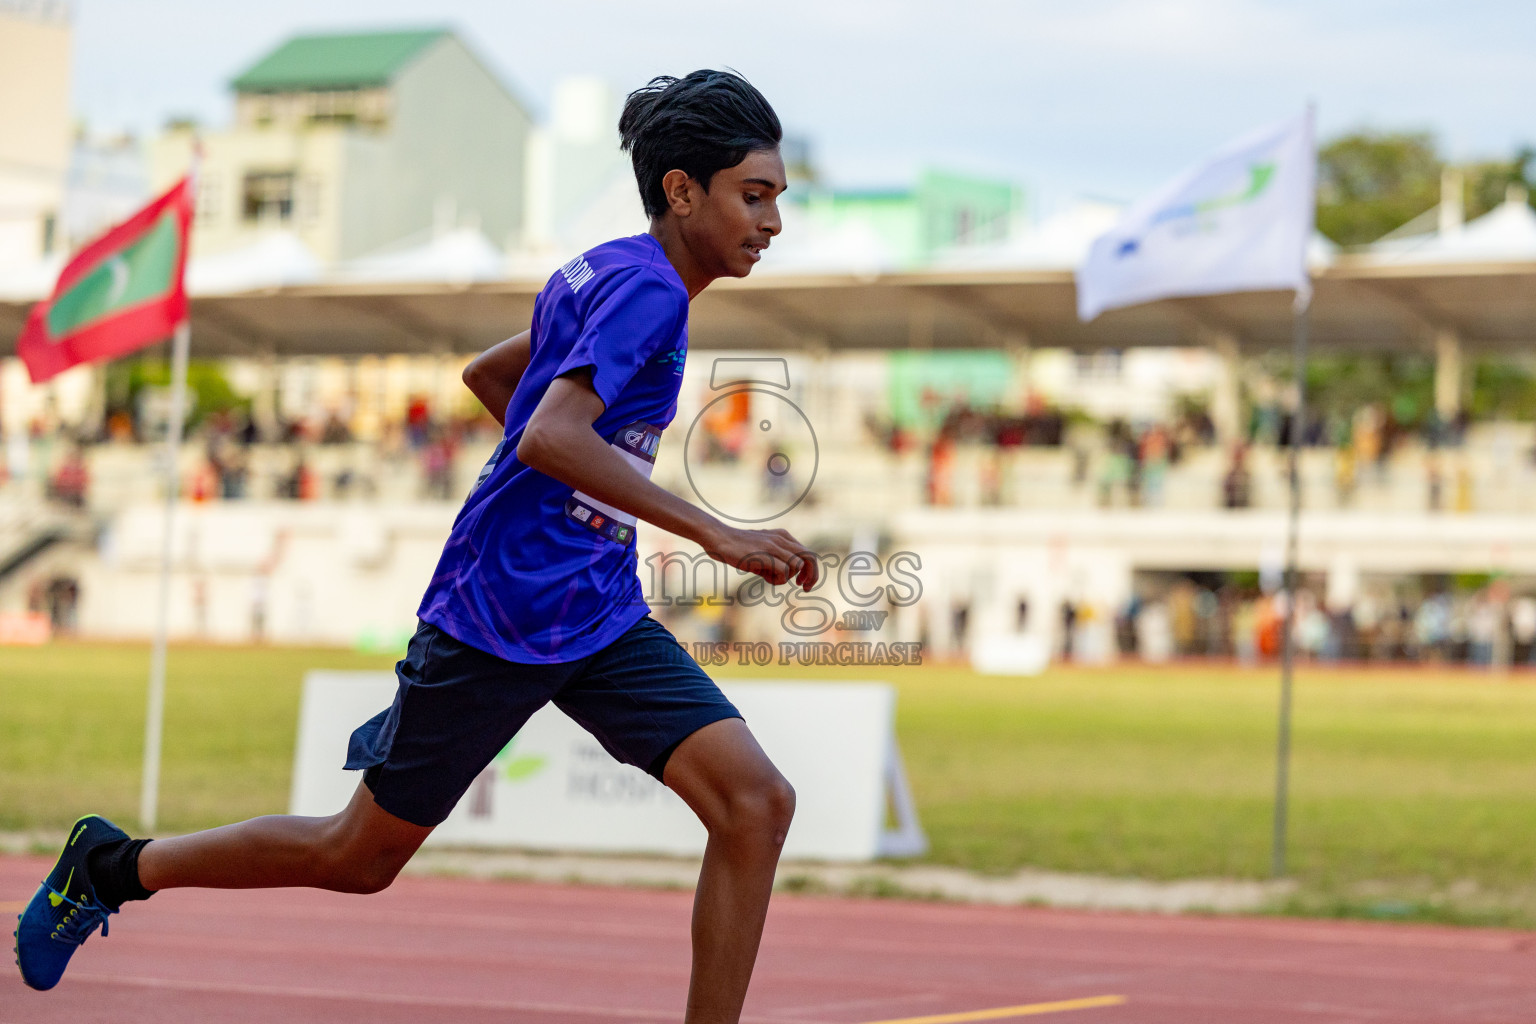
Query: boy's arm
[559,442]
[494,373]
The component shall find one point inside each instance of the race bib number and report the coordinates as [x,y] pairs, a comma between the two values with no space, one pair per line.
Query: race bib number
[490,465]
[637,443]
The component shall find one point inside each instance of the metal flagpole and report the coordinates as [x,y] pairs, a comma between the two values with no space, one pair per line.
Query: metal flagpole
[154,717]
[1293,529]
[149,797]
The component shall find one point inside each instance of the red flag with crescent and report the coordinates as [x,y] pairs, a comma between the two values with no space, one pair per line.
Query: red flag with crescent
[125,290]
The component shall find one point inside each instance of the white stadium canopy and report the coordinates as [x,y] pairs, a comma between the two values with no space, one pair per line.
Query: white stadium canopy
[458,293]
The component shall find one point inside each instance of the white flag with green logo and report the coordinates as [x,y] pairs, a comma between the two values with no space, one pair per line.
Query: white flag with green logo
[1238,222]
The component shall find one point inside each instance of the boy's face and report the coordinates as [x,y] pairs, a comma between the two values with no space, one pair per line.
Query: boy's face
[727,228]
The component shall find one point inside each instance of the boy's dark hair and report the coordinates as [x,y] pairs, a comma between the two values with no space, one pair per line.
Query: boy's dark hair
[700,124]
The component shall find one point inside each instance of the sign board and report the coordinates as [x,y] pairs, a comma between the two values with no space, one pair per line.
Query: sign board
[555,788]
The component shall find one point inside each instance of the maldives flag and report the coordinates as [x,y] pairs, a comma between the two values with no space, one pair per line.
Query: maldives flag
[123,291]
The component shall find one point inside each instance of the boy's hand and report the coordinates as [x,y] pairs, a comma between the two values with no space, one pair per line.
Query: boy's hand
[775,555]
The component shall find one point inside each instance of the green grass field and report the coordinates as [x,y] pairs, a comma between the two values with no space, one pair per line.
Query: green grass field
[1408,785]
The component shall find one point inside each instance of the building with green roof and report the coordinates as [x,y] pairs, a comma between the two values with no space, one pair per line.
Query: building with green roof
[312,63]
[943,211]
[360,142]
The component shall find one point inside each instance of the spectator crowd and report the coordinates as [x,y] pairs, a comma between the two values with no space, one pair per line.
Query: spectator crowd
[1434,620]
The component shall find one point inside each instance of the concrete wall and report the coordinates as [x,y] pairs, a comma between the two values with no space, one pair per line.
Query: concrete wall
[454,152]
[35,130]
[580,187]
[322,157]
[282,572]
[72,397]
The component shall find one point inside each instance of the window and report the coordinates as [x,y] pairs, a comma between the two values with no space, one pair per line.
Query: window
[965,221]
[308,210]
[207,197]
[268,196]
[338,107]
[1105,364]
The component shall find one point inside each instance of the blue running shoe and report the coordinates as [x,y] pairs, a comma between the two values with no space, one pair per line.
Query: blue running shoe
[64,911]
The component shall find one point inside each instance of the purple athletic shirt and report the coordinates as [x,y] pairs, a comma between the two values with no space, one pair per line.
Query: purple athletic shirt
[533,571]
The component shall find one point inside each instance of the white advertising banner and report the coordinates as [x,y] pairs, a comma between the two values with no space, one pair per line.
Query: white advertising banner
[555,788]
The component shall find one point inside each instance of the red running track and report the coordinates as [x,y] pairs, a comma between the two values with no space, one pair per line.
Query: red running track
[430,950]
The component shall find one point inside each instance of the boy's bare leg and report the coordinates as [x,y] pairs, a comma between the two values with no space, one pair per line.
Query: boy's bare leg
[746,805]
[360,849]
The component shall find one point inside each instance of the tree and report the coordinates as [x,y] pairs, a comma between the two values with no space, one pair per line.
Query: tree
[1369,184]
[1402,383]
[1503,388]
[209,391]
[1488,182]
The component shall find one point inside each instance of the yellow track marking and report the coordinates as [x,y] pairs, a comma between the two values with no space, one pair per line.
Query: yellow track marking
[1027,1010]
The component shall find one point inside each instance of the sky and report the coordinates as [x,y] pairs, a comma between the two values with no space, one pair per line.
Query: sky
[1089,98]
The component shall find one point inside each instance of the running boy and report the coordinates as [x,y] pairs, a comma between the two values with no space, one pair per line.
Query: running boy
[537,597]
